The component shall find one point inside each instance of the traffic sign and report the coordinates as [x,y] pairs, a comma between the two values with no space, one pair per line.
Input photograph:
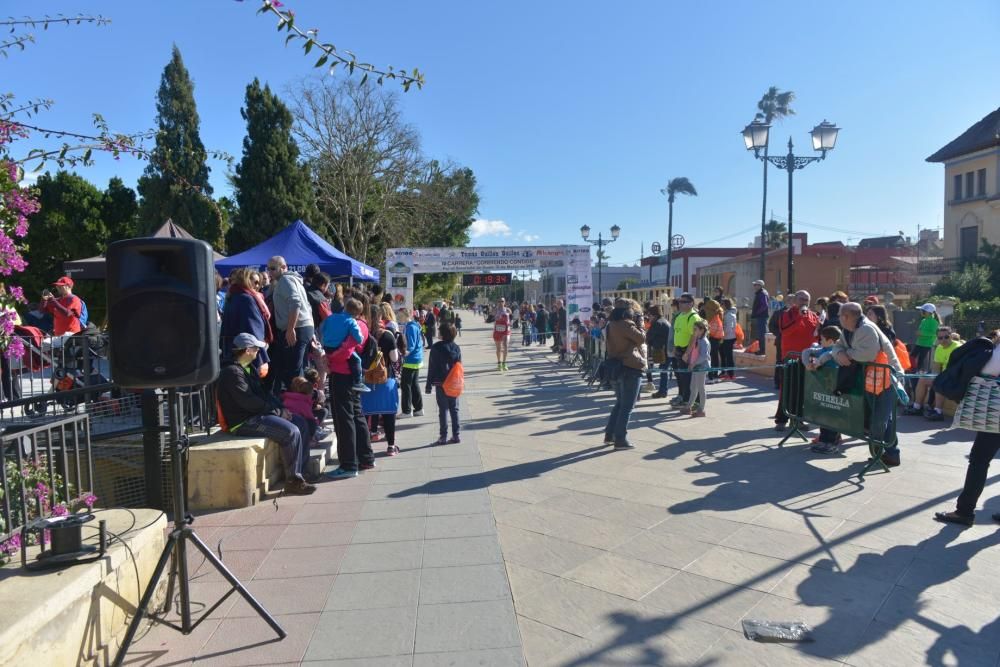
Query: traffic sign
[677,242]
[655,247]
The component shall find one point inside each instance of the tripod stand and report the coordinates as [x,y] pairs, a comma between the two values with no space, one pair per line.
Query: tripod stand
[176,550]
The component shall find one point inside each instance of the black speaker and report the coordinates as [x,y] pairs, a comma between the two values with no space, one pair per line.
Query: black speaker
[162,313]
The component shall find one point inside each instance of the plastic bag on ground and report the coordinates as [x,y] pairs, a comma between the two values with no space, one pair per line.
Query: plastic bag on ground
[776,631]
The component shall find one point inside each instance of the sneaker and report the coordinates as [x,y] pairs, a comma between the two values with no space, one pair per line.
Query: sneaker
[780,427]
[404,415]
[392,450]
[698,413]
[935,416]
[298,487]
[360,387]
[323,434]
[440,441]
[376,436]
[366,466]
[418,413]
[506,367]
[499,367]
[685,410]
[340,473]
[658,394]
[825,448]
[676,400]
[623,445]
[454,440]
[608,440]
[890,460]
[912,411]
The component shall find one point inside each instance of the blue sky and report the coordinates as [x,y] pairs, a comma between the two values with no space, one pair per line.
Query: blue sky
[579,112]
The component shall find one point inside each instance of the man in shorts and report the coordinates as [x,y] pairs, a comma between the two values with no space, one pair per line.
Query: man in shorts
[501,333]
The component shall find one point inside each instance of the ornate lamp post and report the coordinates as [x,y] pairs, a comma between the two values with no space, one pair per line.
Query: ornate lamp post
[755,136]
[600,243]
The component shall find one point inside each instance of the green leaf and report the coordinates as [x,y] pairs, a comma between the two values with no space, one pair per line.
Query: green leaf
[308,46]
[322,61]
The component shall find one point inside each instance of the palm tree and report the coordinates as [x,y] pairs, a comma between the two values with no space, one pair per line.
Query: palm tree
[680,185]
[602,257]
[775,233]
[774,105]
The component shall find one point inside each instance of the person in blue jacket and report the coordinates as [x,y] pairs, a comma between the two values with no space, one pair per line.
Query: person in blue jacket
[410,377]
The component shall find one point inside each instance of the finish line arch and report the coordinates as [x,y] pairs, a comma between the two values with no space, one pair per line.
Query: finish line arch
[402,265]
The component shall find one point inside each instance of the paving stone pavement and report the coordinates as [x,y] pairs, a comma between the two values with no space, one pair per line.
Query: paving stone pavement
[531,543]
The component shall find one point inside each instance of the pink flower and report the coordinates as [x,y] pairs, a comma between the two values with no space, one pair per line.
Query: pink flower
[60,510]
[89,500]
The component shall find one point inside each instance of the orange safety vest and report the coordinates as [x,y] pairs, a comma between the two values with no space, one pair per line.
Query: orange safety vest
[878,380]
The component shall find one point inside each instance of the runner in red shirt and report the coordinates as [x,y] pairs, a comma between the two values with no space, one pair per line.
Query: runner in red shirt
[799,330]
[64,307]
[501,333]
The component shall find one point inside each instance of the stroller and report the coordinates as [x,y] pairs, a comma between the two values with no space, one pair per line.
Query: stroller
[68,366]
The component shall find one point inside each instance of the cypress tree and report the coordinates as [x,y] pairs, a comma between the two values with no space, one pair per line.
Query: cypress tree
[272,189]
[175,183]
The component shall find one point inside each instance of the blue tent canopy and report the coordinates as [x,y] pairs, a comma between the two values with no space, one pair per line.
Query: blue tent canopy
[300,246]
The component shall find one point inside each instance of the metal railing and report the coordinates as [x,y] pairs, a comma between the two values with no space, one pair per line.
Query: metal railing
[54,459]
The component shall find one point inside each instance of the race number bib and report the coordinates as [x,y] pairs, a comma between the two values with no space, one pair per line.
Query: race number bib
[500,328]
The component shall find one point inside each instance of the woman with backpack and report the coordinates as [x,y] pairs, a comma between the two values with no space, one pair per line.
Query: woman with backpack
[445,354]
[382,402]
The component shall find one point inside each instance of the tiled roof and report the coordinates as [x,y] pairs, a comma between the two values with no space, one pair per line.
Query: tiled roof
[984,134]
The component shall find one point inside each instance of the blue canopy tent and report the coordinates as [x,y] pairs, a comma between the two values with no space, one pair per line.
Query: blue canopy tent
[300,246]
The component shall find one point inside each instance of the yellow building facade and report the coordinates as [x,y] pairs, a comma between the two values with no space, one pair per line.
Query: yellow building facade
[972,188]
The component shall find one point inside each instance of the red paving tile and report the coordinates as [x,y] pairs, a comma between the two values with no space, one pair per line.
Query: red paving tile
[246,641]
[286,596]
[243,564]
[316,535]
[328,512]
[241,538]
[304,562]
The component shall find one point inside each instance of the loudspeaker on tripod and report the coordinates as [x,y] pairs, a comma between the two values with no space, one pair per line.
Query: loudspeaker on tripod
[162,313]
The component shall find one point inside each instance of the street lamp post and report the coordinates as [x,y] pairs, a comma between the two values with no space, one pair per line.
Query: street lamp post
[600,243]
[824,138]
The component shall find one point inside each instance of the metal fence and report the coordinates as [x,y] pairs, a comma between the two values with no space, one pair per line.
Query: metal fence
[44,466]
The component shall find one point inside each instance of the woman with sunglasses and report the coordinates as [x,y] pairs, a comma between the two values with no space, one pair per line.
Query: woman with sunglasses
[246,312]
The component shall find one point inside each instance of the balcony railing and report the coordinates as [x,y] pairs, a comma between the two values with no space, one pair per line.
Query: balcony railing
[47,469]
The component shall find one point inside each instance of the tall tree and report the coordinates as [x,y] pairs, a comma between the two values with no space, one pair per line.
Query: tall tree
[120,210]
[774,105]
[272,188]
[361,156]
[438,211]
[68,225]
[680,185]
[175,183]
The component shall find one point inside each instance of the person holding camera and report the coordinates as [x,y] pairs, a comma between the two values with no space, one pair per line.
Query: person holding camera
[64,306]
[625,340]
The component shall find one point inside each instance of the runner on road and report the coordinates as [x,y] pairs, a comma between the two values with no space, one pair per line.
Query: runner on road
[501,333]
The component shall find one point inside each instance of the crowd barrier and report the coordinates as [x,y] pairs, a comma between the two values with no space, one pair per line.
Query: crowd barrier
[843,400]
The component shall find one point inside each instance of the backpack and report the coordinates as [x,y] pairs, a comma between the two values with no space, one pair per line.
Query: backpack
[740,336]
[84,315]
[373,362]
[454,382]
[964,364]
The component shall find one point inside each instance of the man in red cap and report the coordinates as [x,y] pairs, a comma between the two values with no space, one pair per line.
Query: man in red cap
[64,307]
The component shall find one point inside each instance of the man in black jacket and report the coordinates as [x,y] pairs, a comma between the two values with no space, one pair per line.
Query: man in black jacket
[249,410]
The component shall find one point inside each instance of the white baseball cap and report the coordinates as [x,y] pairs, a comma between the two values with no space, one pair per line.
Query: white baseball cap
[928,308]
